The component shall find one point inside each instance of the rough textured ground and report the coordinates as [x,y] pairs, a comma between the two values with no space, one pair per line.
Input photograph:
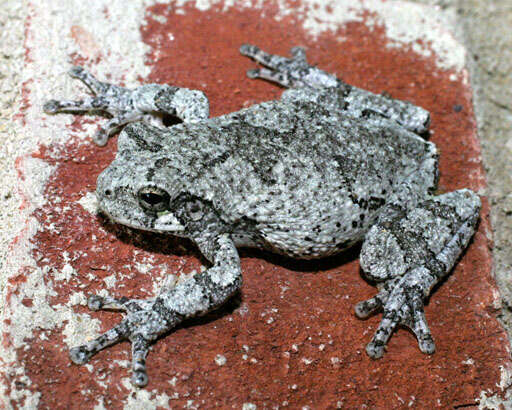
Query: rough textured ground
[290,338]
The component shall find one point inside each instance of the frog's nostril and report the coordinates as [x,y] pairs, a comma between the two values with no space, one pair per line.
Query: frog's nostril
[108,192]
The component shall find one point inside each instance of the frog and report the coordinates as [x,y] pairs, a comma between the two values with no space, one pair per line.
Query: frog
[326,166]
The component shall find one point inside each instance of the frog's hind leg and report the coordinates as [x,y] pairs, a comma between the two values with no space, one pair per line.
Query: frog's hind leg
[361,103]
[295,72]
[289,72]
[406,254]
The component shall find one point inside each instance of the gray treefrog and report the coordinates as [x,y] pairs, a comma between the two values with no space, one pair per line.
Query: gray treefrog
[309,175]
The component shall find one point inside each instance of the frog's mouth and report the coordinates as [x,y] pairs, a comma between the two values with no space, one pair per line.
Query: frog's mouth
[163,222]
[166,222]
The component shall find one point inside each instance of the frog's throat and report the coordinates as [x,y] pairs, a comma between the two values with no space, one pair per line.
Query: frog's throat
[163,223]
[167,222]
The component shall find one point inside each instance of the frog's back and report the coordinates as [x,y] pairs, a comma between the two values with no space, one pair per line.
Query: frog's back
[306,181]
[309,181]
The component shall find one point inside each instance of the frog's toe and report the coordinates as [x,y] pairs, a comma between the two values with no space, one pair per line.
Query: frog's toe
[140,378]
[375,348]
[97,302]
[101,137]
[76,72]
[274,76]
[366,308]
[253,73]
[404,306]
[81,354]
[51,106]
[420,328]
[140,349]
[248,50]
[298,53]
[272,61]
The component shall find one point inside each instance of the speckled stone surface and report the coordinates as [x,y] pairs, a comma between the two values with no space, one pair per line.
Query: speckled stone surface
[290,338]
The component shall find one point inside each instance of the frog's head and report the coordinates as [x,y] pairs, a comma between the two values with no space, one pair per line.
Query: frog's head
[138,188]
[130,200]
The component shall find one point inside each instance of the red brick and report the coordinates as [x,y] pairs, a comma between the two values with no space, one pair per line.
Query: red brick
[312,351]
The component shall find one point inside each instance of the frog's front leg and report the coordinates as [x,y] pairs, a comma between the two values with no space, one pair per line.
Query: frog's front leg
[146,320]
[147,102]
[406,253]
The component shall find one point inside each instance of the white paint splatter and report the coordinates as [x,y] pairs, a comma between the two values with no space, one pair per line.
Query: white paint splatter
[220,360]
[89,202]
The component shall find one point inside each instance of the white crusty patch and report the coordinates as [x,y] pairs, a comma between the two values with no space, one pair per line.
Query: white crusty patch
[79,328]
[423,28]
[143,399]
[36,173]
[491,400]
[89,202]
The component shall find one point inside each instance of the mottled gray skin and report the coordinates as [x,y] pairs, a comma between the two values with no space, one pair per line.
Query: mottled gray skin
[326,166]
[147,102]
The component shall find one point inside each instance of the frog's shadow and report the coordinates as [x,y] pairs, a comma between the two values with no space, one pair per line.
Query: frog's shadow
[165,244]
[160,243]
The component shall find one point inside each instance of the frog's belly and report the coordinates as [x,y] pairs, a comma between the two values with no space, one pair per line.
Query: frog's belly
[317,234]
[285,244]
[294,248]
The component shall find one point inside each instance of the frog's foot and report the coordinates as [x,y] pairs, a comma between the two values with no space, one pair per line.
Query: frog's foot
[406,253]
[88,105]
[402,302]
[145,321]
[150,103]
[99,89]
[107,97]
[288,72]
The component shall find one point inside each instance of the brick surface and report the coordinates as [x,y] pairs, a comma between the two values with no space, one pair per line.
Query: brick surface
[290,338]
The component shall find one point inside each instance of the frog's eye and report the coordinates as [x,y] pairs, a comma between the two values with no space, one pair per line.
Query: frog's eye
[154,199]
